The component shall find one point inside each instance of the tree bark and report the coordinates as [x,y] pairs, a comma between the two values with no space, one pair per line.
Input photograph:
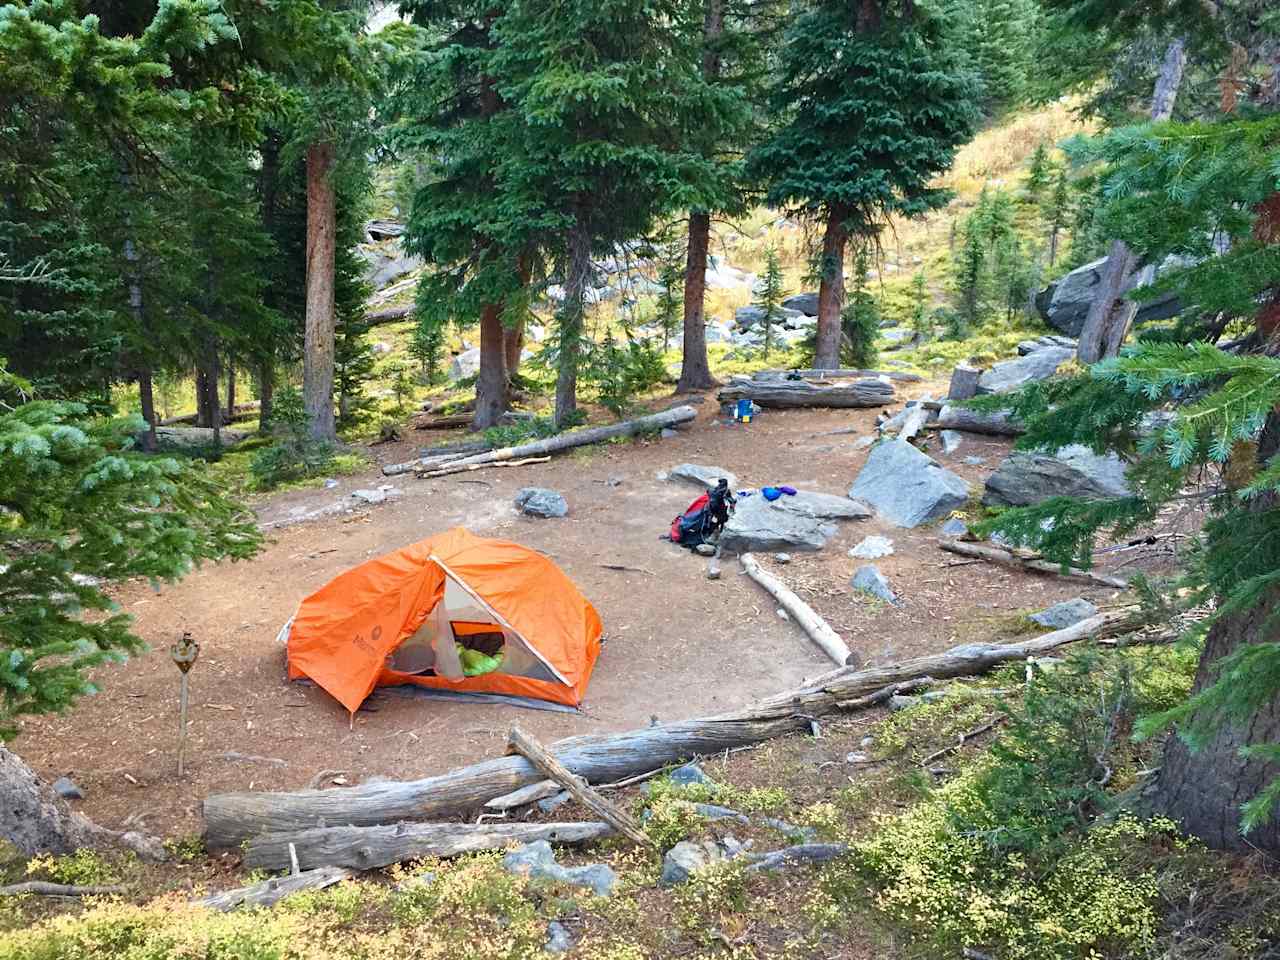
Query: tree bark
[800,393]
[231,388]
[571,320]
[270,892]
[831,290]
[208,394]
[1203,790]
[1111,313]
[266,393]
[695,371]
[491,381]
[147,399]
[512,347]
[317,366]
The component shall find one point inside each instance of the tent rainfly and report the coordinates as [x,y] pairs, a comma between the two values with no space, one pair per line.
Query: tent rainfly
[454,612]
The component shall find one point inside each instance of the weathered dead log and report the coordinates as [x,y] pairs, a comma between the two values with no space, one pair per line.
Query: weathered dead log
[524,796]
[819,630]
[844,374]
[914,422]
[964,382]
[369,847]
[801,393]
[270,892]
[243,411]
[375,318]
[982,551]
[42,888]
[454,422]
[800,853]
[999,424]
[527,746]
[450,468]
[564,441]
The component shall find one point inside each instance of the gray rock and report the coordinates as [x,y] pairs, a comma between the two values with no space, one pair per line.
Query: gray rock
[719,332]
[67,789]
[1025,479]
[791,831]
[1065,305]
[752,317]
[976,461]
[690,773]
[614,481]
[872,548]
[554,802]
[668,433]
[713,812]
[1009,375]
[380,495]
[705,550]
[758,525]
[870,580]
[386,264]
[465,364]
[951,440]
[1065,614]
[955,527]
[902,702]
[541,502]
[906,487]
[783,558]
[824,506]
[701,475]
[559,939]
[538,861]
[897,336]
[806,303]
[685,858]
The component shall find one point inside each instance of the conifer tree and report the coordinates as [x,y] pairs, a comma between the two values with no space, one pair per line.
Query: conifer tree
[860,323]
[770,296]
[1056,211]
[918,311]
[873,103]
[1040,173]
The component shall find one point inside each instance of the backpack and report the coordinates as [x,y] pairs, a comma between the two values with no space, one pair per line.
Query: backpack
[703,518]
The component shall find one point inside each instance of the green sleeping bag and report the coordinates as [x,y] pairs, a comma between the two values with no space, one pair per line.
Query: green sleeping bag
[475,663]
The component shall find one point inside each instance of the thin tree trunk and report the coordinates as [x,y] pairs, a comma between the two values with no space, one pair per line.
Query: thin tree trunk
[491,382]
[1111,313]
[317,366]
[208,399]
[146,397]
[266,394]
[695,371]
[571,320]
[231,389]
[831,291]
[512,347]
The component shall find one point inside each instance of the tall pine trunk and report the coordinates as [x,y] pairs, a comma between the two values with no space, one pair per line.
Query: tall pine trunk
[831,291]
[572,313]
[695,371]
[231,391]
[317,364]
[491,381]
[266,394]
[147,400]
[1111,313]
[512,347]
[1203,790]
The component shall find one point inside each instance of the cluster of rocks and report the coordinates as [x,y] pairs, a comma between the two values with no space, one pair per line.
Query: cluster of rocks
[1064,305]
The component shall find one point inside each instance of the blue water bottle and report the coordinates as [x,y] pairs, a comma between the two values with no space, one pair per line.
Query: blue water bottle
[744,411]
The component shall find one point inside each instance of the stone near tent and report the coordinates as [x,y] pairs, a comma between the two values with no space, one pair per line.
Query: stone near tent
[824,506]
[1009,375]
[67,789]
[1024,479]
[906,487]
[964,382]
[951,441]
[541,502]
[538,861]
[955,527]
[872,548]
[702,475]
[686,858]
[868,579]
[466,364]
[806,303]
[763,527]
[1065,614]
[559,939]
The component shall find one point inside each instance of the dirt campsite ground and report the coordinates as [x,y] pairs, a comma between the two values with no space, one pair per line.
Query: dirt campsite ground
[678,645]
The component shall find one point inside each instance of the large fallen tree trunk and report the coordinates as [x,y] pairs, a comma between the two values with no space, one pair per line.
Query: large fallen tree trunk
[563,441]
[452,422]
[836,375]
[999,424]
[366,848]
[1010,559]
[819,631]
[231,818]
[375,318]
[243,411]
[801,393]
[270,892]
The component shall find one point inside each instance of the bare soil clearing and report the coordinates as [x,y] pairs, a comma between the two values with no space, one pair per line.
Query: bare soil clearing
[678,645]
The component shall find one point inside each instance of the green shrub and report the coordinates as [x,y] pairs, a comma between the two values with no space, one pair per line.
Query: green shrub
[295,455]
[84,868]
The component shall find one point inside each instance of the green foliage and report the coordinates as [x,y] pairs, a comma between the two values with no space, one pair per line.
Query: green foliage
[918,319]
[295,454]
[353,364]
[81,509]
[1040,173]
[1055,210]
[860,321]
[770,297]
[669,305]
[427,347]
[620,373]
[82,868]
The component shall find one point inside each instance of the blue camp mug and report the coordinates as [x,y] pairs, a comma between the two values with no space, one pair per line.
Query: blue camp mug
[744,411]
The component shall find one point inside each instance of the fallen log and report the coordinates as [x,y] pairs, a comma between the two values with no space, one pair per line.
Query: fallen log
[243,411]
[524,796]
[565,441]
[982,551]
[369,847]
[376,318]
[42,888]
[843,374]
[527,746]
[452,422]
[914,422]
[231,818]
[451,468]
[800,853]
[819,630]
[270,892]
[800,393]
[1000,423]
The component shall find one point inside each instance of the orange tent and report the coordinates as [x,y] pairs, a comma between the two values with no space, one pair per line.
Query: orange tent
[418,614]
